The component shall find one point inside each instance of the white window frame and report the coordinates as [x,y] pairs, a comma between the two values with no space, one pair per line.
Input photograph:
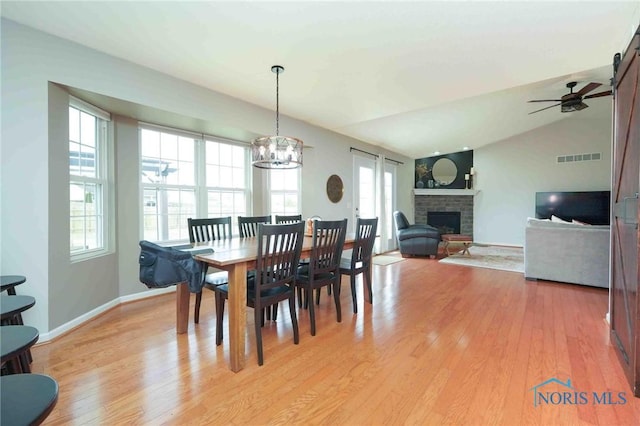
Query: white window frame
[200,188]
[103,181]
[272,192]
[246,190]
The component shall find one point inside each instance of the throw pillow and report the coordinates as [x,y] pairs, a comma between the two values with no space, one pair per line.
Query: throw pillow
[558,220]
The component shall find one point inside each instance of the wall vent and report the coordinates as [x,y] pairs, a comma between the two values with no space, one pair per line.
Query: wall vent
[572,158]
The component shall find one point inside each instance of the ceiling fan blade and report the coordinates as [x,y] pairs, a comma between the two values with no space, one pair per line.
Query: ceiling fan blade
[546,100]
[598,95]
[533,112]
[589,87]
[580,106]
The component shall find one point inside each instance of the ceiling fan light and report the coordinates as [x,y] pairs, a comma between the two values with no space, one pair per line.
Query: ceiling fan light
[572,101]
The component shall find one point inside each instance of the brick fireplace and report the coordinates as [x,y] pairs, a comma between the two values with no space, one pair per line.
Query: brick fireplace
[426,201]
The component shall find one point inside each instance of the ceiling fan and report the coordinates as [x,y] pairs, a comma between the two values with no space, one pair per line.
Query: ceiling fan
[573,101]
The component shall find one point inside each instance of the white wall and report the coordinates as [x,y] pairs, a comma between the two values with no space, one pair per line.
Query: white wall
[34,174]
[509,173]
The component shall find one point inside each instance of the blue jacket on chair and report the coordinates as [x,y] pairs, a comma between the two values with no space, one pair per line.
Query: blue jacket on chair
[165,266]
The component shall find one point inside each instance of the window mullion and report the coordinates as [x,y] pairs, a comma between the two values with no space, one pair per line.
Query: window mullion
[201,178]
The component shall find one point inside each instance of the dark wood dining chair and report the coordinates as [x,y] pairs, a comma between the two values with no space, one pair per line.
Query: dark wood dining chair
[323,267]
[279,248]
[203,231]
[360,261]
[248,225]
[288,218]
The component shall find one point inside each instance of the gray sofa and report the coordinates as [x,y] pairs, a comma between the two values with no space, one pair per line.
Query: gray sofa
[567,252]
[415,240]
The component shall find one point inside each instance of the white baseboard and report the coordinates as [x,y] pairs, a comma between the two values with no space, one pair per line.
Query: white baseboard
[65,328]
[488,243]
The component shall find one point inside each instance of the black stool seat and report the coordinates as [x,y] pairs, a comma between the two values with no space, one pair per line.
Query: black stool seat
[27,399]
[12,306]
[16,340]
[8,282]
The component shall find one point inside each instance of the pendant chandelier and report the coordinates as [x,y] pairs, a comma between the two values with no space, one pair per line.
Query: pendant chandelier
[276,152]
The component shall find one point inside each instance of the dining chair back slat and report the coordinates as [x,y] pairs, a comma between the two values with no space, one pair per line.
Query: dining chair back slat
[209,229]
[288,218]
[248,225]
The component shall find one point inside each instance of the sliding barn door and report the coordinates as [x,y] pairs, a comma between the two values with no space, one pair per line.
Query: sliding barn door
[625,300]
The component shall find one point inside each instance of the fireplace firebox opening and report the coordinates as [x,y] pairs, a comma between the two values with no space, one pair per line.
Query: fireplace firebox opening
[445,222]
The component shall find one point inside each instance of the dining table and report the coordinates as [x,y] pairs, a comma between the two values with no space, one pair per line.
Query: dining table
[236,256]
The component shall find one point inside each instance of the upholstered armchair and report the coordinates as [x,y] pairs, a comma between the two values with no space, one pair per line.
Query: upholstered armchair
[415,240]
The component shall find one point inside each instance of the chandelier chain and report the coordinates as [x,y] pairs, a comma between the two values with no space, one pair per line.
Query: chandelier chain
[277,103]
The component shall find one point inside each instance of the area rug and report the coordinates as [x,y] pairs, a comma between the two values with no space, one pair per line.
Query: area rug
[386,260]
[492,257]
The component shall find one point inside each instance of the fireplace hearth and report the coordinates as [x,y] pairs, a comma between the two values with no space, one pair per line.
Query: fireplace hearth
[445,222]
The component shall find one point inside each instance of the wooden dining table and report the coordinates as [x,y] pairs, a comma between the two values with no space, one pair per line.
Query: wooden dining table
[236,256]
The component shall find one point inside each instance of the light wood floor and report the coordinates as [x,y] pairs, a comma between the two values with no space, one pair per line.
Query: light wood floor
[442,344]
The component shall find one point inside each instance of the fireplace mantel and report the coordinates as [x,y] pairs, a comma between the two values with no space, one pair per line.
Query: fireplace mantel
[418,191]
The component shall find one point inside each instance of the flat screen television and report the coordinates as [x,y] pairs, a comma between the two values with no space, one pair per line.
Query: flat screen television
[590,207]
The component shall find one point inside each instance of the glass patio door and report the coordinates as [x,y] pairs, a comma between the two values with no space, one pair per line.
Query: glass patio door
[364,184]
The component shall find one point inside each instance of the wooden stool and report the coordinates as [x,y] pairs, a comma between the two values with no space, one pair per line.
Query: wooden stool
[8,282]
[27,399]
[11,308]
[16,341]
[465,240]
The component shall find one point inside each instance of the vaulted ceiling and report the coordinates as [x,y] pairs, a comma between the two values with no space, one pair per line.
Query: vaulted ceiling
[414,77]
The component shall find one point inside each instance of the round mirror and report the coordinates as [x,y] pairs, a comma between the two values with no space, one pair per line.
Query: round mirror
[444,171]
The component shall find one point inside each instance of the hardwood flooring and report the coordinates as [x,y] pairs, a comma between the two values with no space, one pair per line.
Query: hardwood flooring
[442,344]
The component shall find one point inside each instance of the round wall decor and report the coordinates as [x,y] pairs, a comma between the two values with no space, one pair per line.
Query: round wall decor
[335,188]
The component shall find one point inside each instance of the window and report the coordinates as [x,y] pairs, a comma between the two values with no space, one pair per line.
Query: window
[89,166]
[168,184]
[185,175]
[285,192]
[226,177]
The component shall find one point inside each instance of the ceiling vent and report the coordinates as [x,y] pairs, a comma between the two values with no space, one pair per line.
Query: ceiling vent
[573,158]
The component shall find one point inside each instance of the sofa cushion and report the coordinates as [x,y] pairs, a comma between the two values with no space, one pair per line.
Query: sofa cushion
[558,220]
[416,231]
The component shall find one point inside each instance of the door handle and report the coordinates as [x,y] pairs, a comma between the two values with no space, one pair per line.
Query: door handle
[627,210]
